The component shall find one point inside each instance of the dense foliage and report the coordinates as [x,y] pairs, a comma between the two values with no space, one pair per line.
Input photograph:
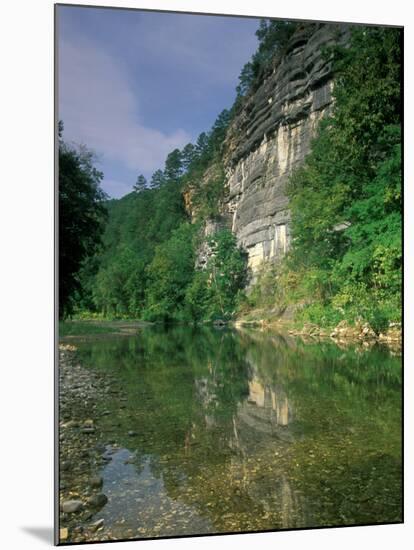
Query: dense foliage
[138,223]
[169,274]
[81,219]
[215,291]
[346,199]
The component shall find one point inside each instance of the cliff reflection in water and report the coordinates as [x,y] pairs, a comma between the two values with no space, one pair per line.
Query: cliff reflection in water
[250,431]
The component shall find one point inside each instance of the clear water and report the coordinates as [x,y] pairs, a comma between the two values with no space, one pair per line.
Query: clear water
[246,431]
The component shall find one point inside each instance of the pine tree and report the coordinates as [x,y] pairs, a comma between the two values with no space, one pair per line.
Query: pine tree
[187,156]
[173,166]
[140,184]
[157,179]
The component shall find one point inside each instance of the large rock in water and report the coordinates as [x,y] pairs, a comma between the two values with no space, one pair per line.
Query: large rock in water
[271,137]
[98,501]
[71,506]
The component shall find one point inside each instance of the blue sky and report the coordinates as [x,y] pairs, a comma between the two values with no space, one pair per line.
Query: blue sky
[135,85]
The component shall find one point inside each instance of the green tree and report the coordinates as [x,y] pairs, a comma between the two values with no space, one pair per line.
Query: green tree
[215,291]
[141,184]
[82,216]
[201,145]
[173,166]
[157,179]
[169,273]
[218,132]
[188,156]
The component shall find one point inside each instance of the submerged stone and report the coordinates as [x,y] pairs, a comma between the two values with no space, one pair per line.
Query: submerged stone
[98,501]
[96,481]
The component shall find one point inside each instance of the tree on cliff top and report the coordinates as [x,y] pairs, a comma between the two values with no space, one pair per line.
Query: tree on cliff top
[140,184]
[273,36]
[173,166]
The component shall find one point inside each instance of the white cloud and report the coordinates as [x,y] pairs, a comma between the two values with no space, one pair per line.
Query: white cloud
[99,109]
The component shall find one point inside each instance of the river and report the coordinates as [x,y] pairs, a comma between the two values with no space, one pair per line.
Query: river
[231,431]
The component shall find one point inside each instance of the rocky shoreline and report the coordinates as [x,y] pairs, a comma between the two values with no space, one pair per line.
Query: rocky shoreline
[83,450]
[343,334]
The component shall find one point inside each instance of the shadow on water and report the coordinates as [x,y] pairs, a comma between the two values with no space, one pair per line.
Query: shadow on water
[246,431]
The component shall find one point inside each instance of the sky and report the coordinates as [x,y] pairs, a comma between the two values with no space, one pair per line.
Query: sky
[134,85]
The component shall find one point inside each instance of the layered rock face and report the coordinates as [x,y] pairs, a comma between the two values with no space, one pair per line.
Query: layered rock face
[272,136]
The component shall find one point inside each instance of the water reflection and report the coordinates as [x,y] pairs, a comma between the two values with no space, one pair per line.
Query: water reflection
[135,491]
[247,431]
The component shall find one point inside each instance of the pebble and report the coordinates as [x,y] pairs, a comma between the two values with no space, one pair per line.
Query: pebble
[132,433]
[88,423]
[71,506]
[88,430]
[70,424]
[96,481]
[63,533]
[97,524]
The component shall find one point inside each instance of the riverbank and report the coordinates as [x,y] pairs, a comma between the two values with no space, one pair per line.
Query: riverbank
[82,448]
[342,334]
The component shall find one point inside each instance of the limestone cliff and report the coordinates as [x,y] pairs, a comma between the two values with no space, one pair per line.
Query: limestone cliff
[271,136]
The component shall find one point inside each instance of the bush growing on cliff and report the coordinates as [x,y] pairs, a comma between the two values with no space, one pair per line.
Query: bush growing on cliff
[207,196]
[265,293]
[215,291]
